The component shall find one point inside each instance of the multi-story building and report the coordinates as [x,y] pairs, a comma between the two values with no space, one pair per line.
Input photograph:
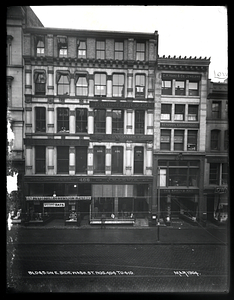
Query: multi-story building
[180,137]
[18,17]
[216,160]
[88,123]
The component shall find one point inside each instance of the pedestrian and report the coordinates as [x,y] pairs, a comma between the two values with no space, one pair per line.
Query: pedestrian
[103,220]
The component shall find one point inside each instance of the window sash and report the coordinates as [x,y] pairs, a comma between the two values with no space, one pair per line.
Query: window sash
[214,173]
[99,120]
[139,121]
[119,50]
[82,49]
[99,159]
[192,140]
[117,121]
[63,160]
[117,160]
[81,120]
[63,84]
[118,85]
[166,87]
[216,110]
[81,159]
[180,87]
[40,113]
[100,50]
[63,119]
[192,112]
[193,88]
[40,160]
[140,51]
[100,84]
[165,139]
[81,86]
[215,135]
[138,160]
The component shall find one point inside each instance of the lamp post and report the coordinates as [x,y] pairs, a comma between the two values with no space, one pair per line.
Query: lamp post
[158,199]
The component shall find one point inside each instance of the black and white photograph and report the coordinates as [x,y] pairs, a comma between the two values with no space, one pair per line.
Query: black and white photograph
[117,159]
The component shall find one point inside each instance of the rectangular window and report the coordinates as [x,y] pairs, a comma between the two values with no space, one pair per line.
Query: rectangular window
[119,48]
[226,142]
[40,113]
[192,140]
[178,176]
[99,121]
[179,112]
[216,109]
[62,46]
[40,83]
[214,173]
[81,49]
[100,84]
[193,112]
[81,120]
[81,85]
[179,87]
[179,140]
[99,159]
[40,159]
[215,136]
[140,86]
[117,160]
[139,121]
[138,160]
[118,85]
[100,50]
[166,87]
[193,177]
[81,160]
[63,83]
[166,112]
[193,88]
[40,46]
[165,139]
[63,51]
[163,177]
[63,160]
[225,173]
[63,120]
[140,51]
[117,121]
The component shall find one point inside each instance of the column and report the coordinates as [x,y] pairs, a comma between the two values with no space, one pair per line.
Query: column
[28,79]
[151,84]
[28,160]
[72,85]
[108,161]
[130,83]
[149,158]
[72,161]
[50,123]
[129,125]
[28,119]
[108,121]
[150,121]
[116,206]
[90,160]
[72,121]
[90,122]
[128,159]
[185,139]
[50,164]
[109,86]
[172,140]
[50,80]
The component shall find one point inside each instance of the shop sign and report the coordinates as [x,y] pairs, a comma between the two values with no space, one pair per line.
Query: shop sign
[62,204]
[195,77]
[108,104]
[57,198]
[178,191]
[221,190]
[179,125]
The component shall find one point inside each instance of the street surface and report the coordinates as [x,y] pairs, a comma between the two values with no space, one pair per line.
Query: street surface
[117,260]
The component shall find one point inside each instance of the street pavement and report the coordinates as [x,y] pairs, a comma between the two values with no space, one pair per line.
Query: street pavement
[117,260]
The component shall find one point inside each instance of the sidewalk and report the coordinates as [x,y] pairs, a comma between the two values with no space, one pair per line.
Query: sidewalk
[120,235]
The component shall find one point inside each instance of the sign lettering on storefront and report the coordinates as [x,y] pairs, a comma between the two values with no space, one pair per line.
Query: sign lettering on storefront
[180,125]
[221,190]
[108,104]
[54,204]
[177,191]
[122,137]
[196,77]
[57,198]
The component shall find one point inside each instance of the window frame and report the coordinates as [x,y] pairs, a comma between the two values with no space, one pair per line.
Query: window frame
[41,120]
[100,50]
[140,84]
[180,91]
[190,137]
[139,121]
[82,123]
[138,161]
[81,153]
[215,172]
[140,52]
[192,91]
[99,82]
[63,123]
[165,141]
[119,52]
[65,84]
[99,121]
[82,46]
[216,113]
[40,159]
[81,87]
[179,111]
[40,87]
[165,108]
[99,160]
[166,90]
[61,168]
[118,125]
[215,140]
[191,115]
[117,160]
[118,85]
[179,140]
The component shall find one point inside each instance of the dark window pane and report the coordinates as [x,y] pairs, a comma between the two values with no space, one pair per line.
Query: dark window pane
[81,159]
[40,159]
[81,120]
[99,120]
[117,160]
[40,119]
[62,159]
[138,160]
[117,121]
[99,159]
